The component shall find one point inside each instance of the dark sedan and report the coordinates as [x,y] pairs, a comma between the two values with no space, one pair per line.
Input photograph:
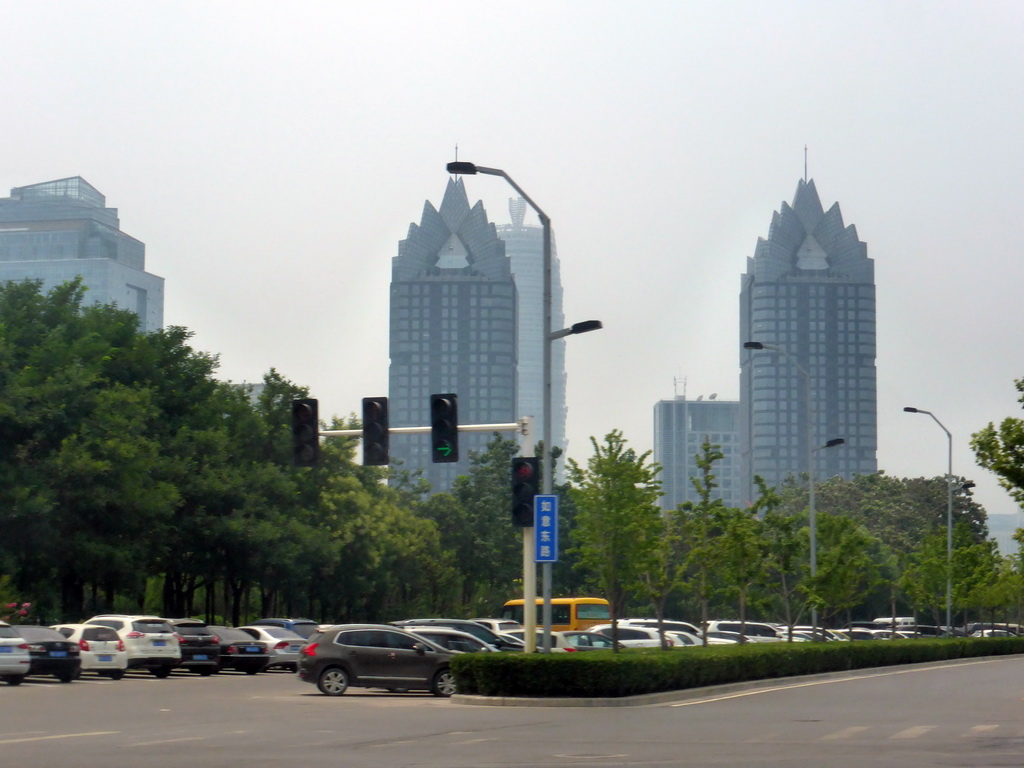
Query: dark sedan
[51,653]
[200,649]
[375,656]
[239,651]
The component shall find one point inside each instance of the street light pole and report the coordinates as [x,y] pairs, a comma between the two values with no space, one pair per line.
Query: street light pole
[811,450]
[949,517]
[547,464]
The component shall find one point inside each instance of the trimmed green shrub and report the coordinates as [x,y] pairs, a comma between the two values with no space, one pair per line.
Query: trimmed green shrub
[602,674]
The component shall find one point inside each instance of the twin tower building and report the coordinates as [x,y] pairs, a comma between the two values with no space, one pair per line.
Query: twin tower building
[467,317]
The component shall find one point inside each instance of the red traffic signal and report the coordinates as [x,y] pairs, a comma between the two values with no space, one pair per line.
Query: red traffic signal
[525,485]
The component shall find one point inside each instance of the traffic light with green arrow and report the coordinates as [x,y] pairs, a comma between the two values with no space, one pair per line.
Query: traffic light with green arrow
[444,428]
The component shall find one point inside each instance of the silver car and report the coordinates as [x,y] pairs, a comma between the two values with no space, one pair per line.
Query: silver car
[282,644]
[14,655]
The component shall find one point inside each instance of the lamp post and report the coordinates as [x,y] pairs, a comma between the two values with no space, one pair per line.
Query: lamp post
[949,516]
[811,451]
[547,465]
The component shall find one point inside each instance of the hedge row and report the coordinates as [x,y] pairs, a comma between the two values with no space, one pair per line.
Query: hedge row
[631,672]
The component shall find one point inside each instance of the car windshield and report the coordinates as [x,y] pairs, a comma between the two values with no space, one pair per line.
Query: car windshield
[39,633]
[8,632]
[305,628]
[231,635]
[281,632]
[192,629]
[151,626]
[99,634]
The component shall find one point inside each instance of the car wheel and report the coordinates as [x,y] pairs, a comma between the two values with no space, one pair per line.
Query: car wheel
[251,671]
[13,679]
[205,671]
[67,677]
[443,683]
[115,674]
[333,681]
[162,672]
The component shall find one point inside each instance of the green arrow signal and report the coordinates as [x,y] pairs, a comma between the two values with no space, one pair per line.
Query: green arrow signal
[445,449]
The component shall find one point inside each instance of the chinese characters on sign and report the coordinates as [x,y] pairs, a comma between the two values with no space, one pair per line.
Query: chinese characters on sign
[545,528]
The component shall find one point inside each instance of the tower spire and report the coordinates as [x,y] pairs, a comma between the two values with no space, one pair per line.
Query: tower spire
[805,160]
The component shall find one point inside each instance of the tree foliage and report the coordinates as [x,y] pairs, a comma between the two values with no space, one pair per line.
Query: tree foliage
[618,521]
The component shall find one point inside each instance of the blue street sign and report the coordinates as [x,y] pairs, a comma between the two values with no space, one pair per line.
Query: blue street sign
[545,528]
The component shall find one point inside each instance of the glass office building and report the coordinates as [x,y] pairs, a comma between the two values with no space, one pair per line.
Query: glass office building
[59,230]
[809,290]
[681,428]
[524,246]
[453,329]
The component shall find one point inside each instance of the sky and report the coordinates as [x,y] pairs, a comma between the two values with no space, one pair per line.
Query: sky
[272,155]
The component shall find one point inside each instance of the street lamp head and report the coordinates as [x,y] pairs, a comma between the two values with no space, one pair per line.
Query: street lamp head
[966,485]
[466,169]
[834,442]
[586,325]
[753,345]
[908,409]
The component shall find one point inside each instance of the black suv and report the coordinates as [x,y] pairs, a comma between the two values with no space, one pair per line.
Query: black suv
[375,656]
[200,647]
[499,642]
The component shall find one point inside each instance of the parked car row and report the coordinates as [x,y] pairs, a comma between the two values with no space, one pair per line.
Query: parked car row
[111,644]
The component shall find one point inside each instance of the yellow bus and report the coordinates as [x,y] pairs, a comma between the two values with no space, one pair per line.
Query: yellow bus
[566,612]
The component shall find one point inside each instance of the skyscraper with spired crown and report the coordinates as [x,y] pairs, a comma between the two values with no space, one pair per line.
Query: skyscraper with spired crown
[809,292]
[453,329]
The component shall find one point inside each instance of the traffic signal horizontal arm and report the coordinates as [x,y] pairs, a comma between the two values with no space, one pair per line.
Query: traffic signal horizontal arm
[512,426]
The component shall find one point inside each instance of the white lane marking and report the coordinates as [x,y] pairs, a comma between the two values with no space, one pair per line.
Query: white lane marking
[58,736]
[168,741]
[914,732]
[775,688]
[978,729]
[844,733]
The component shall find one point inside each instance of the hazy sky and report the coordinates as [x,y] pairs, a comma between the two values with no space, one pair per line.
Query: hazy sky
[271,155]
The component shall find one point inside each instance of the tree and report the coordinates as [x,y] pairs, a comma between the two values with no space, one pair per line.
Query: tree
[618,520]
[740,551]
[1001,450]
[698,526]
[786,543]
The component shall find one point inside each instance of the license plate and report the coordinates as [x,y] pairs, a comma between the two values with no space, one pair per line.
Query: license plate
[252,649]
[159,642]
[200,657]
[6,649]
[105,658]
[295,648]
[58,654]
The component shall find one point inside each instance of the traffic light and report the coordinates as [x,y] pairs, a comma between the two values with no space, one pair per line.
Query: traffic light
[525,485]
[375,431]
[444,428]
[305,433]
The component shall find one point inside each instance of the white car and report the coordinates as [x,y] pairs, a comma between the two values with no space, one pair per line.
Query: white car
[634,637]
[101,649]
[669,625]
[752,631]
[499,625]
[689,640]
[282,644]
[149,640]
[14,655]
